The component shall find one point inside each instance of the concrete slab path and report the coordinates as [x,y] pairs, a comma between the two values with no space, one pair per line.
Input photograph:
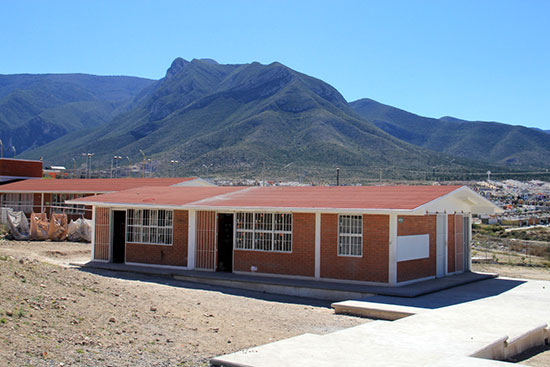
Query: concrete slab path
[493,319]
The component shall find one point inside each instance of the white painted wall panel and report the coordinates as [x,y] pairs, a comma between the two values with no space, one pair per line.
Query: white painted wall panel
[413,247]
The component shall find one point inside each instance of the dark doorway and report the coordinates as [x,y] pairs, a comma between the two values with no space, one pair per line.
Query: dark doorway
[119,235]
[225,242]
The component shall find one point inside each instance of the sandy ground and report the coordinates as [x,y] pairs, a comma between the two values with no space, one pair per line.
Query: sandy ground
[514,271]
[54,315]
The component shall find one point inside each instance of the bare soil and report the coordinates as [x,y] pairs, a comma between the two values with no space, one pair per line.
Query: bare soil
[514,271]
[55,315]
[52,314]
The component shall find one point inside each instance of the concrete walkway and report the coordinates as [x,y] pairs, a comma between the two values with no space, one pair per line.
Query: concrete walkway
[468,325]
[321,289]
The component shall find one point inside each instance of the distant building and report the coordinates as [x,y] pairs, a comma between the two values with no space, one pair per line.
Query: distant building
[12,170]
[49,195]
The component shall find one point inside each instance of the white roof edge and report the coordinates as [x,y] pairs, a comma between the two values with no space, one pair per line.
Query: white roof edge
[245,208]
[496,208]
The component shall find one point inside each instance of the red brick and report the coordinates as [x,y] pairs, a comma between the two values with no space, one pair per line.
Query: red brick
[175,255]
[301,261]
[419,268]
[372,266]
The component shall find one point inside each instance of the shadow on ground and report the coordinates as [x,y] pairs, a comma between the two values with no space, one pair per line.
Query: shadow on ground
[166,280]
[461,294]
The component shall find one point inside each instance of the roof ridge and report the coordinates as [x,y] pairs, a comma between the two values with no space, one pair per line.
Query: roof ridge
[222,196]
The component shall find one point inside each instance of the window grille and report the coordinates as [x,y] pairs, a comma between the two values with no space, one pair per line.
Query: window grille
[350,235]
[263,231]
[149,226]
[18,202]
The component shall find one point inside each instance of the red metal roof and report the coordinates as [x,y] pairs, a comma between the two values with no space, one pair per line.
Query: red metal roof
[154,195]
[303,197]
[332,197]
[92,185]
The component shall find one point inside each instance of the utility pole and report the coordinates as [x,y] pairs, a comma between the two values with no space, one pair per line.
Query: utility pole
[115,159]
[143,165]
[173,162]
[337,176]
[129,167]
[88,163]
[488,176]
[74,168]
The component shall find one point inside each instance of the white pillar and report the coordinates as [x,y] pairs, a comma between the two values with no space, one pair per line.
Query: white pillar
[317,245]
[191,238]
[392,270]
[42,204]
[469,242]
[446,243]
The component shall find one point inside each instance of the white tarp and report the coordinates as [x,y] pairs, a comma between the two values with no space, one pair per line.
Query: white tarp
[80,230]
[19,225]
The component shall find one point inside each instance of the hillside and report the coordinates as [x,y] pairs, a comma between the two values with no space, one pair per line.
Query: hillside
[241,118]
[493,142]
[37,109]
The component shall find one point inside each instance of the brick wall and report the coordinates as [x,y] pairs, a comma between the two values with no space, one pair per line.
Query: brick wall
[301,261]
[20,168]
[419,268]
[37,202]
[175,255]
[102,233]
[372,266]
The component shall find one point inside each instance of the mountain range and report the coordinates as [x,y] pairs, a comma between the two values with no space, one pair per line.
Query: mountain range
[479,140]
[37,109]
[246,118]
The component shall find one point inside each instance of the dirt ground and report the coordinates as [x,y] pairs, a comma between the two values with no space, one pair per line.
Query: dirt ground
[54,315]
[514,271]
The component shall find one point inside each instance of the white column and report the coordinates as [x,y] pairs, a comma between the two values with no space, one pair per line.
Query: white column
[42,204]
[93,230]
[392,270]
[191,238]
[446,243]
[469,243]
[317,245]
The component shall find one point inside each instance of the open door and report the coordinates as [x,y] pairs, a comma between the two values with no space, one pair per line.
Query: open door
[119,236]
[441,245]
[225,242]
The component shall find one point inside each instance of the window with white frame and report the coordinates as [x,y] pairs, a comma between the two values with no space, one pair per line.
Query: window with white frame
[18,202]
[58,204]
[149,226]
[263,231]
[350,235]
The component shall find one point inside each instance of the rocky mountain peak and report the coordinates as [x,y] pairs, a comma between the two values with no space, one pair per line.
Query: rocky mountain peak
[177,66]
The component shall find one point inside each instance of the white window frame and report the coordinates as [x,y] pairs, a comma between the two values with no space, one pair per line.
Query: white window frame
[58,204]
[252,233]
[18,201]
[145,226]
[350,234]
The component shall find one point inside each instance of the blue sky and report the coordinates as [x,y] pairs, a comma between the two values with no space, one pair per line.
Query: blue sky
[484,60]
